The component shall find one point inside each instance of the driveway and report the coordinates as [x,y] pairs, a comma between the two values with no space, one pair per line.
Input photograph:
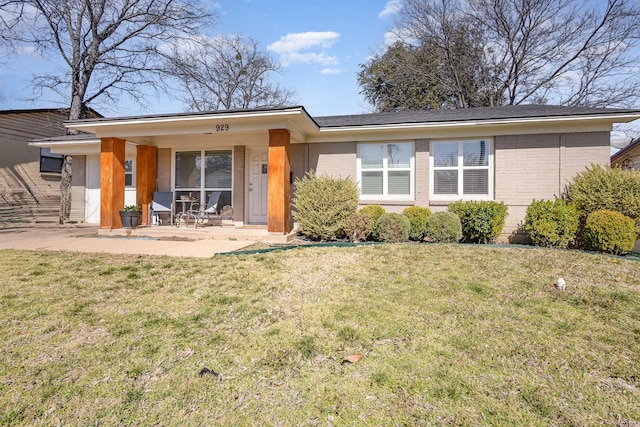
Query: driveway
[85,238]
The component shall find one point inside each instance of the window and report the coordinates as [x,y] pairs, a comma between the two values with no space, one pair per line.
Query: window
[216,175]
[129,173]
[461,170]
[49,162]
[385,170]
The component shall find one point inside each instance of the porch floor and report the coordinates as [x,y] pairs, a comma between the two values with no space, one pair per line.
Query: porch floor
[213,232]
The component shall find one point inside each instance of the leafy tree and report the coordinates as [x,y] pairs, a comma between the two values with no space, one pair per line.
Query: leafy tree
[108,48]
[497,52]
[401,79]
[226,73]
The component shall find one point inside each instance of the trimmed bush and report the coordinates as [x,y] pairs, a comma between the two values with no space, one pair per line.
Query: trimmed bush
[322,204]
[600,188]
[358,227]
[417,217]
[482,222]
[374,212]
[609,231]
[551,223]
[443,227]
[392,227]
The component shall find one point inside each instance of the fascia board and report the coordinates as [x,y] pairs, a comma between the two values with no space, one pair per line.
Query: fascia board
[468,128]
[78,147]
[180,124]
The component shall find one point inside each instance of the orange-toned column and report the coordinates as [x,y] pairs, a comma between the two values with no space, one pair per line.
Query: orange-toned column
[146,174]
[278,209]
[111,182]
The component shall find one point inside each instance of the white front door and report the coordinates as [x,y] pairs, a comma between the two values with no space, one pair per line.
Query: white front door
[258,184]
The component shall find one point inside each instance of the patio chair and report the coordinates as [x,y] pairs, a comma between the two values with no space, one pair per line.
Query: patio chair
[162,203]
[209,213]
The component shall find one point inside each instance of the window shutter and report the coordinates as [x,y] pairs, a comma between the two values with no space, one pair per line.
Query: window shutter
[371,182]
[188,169]
[476,181]
[399,183]
[445,182]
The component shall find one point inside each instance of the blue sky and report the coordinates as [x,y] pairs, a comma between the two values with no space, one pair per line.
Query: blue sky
[319,43]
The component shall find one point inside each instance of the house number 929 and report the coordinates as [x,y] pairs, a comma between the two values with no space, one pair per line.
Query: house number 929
[222,127]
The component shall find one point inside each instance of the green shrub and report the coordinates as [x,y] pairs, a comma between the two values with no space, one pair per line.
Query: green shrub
[600,188]
[417,217]
[609,231]
[443,227]
[374,211]
[551,223]
[482,222]
[392,227]
[358,227]
[322,204]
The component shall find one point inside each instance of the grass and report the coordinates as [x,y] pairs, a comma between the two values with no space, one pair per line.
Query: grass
[451,335]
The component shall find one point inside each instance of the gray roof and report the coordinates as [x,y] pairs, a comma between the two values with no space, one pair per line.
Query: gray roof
[631,148]
[465,114]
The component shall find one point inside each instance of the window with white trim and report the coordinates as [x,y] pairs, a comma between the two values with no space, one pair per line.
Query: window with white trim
[385,170]
[461,170]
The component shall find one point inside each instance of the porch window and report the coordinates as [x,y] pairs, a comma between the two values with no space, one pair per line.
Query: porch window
[461,170]
[201,172]
[385,170]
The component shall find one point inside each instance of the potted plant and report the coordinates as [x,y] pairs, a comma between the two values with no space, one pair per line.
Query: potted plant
[130,216]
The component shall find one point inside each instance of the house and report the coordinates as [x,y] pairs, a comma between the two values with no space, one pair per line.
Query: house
[30,176]
[628,157]
[511,154]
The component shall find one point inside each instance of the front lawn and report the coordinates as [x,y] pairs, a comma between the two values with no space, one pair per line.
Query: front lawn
[450,335]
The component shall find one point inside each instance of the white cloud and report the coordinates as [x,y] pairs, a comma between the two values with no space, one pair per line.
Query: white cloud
[331,71]
[390,37]
[308,58]
[391,8]
[295,47]
[399,35]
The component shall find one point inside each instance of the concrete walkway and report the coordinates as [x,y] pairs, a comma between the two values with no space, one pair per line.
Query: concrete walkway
[85,238]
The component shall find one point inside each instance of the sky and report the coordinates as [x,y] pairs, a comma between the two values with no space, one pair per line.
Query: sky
[319,44]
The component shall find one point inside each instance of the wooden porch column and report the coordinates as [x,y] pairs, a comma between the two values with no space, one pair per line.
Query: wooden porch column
[278,208]
[111,181]
[146,175]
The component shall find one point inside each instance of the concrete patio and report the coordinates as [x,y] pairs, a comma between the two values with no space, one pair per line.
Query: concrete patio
[153,240]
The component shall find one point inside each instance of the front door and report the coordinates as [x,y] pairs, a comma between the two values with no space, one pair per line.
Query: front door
[258,185]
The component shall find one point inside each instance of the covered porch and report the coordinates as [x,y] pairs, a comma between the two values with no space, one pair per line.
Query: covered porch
[245,155]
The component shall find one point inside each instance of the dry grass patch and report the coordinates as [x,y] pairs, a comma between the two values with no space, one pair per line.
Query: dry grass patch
[451,335]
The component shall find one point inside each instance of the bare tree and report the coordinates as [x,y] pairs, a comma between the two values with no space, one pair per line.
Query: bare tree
[495,52]
[567,52]
[457,44]
[11,12]
[109,48]
[226,73]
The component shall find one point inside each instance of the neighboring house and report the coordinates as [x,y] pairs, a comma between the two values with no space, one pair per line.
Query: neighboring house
[30,176]
[429,158]
[628,157]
